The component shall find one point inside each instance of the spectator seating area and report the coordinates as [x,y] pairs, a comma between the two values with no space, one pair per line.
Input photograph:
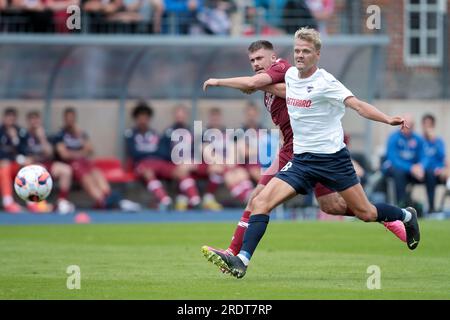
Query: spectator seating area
[212,17]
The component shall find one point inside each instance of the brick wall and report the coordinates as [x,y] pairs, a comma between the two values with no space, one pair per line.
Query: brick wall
[392,20]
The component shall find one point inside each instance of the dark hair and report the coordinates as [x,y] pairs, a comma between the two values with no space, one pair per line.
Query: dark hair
[10,111]
[215,110]
[142,108]
[429,116]
[68,110]
[260,44]
[33,113]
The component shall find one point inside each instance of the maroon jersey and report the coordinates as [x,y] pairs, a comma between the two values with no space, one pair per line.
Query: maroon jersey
[277,106]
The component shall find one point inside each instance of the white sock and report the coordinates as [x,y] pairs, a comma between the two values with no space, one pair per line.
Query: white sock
[7,200]
[244,259]
[408,215]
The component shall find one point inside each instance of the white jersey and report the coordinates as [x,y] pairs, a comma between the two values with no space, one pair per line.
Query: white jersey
[316,107]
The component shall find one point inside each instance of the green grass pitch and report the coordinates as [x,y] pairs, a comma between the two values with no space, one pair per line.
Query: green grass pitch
[295,260]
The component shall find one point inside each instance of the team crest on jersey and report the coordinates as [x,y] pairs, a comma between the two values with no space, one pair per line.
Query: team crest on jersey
[309,88]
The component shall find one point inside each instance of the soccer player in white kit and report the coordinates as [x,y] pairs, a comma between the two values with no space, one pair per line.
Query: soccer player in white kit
[316,103]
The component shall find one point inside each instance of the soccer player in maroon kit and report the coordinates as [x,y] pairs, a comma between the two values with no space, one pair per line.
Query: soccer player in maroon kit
[269,77]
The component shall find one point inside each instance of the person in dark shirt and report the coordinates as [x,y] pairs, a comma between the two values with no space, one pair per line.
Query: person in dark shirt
[236,178]
[74,148]
[249,149]
[40,151]
[152,160]
[178,139]
[12,151]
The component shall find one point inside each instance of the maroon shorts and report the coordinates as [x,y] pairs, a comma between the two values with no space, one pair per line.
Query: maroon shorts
[280,161]
[81,167]
[201,171]
[161,168]
[47,165]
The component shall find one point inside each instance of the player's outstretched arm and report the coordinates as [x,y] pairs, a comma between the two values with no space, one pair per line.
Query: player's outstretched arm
[242,83]
[278,89]
[368,111]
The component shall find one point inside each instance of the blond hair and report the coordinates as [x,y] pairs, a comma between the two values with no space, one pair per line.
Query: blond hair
[309,35]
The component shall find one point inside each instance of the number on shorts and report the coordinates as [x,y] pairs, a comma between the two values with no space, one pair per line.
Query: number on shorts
[287,166]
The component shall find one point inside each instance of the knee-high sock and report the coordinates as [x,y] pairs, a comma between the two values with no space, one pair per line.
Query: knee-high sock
[238,237]
[214,181]
[6,185]
[155,186]
[257,225]
[386,212]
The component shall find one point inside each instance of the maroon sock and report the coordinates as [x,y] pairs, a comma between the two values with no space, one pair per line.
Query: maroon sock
[63,194]
[155,186]
[238,237]
[100,204]
[215,180]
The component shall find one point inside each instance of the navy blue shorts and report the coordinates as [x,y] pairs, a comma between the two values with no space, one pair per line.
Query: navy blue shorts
[334,171]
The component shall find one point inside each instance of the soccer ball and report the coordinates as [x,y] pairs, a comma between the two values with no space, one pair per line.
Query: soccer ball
[33,183]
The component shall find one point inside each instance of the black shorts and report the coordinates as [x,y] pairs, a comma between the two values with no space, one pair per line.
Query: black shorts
[335,171]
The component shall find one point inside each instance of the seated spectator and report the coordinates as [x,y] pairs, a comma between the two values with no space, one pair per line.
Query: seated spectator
[152,12]
[236,178]
[152,160]
[97,12]
[249,149]
[39,14]
[180,15]
[434,158]
[297,14]
[74,148]
[198,171]
[322,11]
[403,159]
[25,16]
[273,11]
[40,151]
[125,18]
[214,18]
[142,16]
[12,149]
[271,24]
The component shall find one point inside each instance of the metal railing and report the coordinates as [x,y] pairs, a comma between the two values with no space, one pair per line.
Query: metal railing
[244,20]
